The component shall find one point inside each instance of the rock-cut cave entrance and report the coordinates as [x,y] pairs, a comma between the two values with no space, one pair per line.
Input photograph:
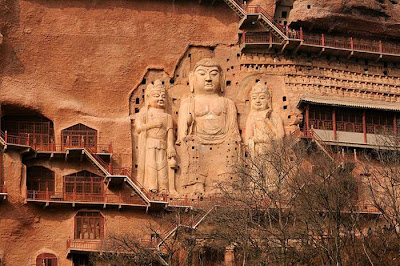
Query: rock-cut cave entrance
[25,126]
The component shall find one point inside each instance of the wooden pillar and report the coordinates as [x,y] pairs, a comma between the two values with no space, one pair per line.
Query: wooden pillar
[182,255]
[322,39]
[351,43]
[395,125]
[307,120]
[364,122]
[1,170]
[47,192]
[229,257]
[334,124]
[301,33]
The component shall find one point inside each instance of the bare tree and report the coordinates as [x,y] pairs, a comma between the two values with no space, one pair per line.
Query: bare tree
[382,180]
[161,243]
[293,204]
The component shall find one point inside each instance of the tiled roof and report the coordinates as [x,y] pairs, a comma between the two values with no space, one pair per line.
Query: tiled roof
[348,102]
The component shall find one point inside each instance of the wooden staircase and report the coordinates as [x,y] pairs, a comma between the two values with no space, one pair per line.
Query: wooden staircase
[3,143]
[237,6]
[320,143]
[266,19]
[192,224]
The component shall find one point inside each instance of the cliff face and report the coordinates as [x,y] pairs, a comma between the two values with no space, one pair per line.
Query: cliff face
[364,17]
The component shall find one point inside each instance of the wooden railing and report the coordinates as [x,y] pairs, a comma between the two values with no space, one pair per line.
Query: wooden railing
[367,207]
[257,9]
[51,146]
[85,245]
[254,38]
[348,43]
[120,198]
[126,171]
[106,166]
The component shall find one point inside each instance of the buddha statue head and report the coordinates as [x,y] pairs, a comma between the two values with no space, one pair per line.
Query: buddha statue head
[155,95]
[260,97]
[207,77]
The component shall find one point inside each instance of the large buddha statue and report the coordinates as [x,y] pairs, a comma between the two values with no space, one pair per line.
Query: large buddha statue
[156,142]
[207,127]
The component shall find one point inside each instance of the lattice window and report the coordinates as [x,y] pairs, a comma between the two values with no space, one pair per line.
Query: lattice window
[79,135]
[46,259]
[321,117]
[40,179]
[349,120]
[89,225]
[31,130]
[379,122]
[83,182]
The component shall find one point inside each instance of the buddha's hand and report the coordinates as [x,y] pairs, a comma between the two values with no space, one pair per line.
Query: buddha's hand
[171,153]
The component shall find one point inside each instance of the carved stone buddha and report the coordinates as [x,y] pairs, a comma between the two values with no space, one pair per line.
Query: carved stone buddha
[207,127]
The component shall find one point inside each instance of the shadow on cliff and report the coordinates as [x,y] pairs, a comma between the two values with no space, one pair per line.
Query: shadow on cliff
[206,8]
[10,64]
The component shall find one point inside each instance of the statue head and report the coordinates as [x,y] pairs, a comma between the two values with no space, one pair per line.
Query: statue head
[155,94]
[260,97]
[207,77]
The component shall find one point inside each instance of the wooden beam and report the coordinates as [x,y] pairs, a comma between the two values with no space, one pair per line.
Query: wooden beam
[284,46]
[307,119]
[364,121]
[350,54]
[379,58]
[334,124]
[297,47]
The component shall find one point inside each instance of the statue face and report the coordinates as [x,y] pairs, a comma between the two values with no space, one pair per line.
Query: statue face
[157,99]
[259,101]
[207,80]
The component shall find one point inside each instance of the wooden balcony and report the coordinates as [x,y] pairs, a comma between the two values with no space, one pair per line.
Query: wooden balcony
[26,141]
[83,246]
[85,199]
[285,38]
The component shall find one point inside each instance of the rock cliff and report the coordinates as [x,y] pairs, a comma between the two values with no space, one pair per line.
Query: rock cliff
[354,17]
